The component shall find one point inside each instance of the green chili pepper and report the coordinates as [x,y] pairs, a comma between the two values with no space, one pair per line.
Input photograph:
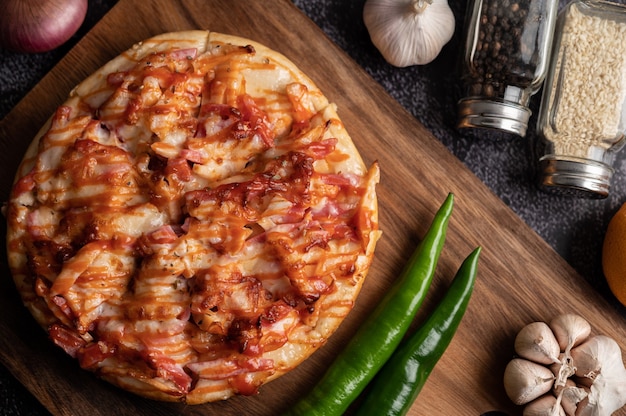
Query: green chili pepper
[382,331]
[398,383]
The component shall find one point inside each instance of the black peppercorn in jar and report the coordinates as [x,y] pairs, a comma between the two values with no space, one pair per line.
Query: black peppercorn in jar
[507,44]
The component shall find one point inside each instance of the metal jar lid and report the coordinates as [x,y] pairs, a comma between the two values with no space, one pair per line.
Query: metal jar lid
[580,178]
[499,115]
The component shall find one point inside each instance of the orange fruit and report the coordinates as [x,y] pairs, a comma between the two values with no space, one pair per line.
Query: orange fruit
[614,254]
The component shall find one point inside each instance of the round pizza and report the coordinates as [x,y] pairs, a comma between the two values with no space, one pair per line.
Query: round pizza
[194,221]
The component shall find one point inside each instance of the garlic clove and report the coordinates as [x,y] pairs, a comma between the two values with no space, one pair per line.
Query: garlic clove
[592,355]
[409,32]
[570,330]
[525,380]
[599,361]
[571,395]
[536,342]
[585,408]
[546,405]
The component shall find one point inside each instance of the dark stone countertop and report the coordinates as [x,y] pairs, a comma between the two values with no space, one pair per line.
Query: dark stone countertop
[573,227]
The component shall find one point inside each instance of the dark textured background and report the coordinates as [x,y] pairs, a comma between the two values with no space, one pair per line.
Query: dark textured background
[573,227]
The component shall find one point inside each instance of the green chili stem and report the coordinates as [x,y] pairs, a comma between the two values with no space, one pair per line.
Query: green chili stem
[399,382]
[382,331]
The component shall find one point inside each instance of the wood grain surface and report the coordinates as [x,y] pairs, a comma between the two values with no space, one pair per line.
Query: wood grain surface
[521,279]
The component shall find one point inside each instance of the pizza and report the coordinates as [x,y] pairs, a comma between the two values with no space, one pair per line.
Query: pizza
[194,220]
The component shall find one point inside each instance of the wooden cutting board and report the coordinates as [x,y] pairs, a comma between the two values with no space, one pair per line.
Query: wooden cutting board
[521,278]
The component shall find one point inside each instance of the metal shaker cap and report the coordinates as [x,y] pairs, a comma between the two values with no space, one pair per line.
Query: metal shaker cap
[582,178]
[500,115]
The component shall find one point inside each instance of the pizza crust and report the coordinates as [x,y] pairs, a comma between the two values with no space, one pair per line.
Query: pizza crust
[51,293]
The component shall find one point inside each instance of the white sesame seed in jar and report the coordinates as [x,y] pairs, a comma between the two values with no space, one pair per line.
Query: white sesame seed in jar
[582,117]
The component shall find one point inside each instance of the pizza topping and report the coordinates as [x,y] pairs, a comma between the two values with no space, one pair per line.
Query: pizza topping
[94,353]
[168,369]
[227,368]
[66,339]
[192,220]
[76,266]
[302,109]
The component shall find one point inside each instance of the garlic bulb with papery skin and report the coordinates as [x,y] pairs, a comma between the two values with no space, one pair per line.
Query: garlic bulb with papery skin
[588,380]
[409,32]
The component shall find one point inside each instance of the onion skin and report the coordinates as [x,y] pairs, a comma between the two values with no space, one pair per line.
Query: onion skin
[33,26]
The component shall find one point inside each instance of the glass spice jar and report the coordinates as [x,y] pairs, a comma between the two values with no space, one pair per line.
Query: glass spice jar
[507,46]
[582,118]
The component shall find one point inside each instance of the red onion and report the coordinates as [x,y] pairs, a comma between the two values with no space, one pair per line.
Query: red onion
[39,25]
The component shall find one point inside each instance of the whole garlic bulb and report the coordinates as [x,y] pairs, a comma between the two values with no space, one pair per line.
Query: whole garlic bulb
[588,379]
[409,32]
